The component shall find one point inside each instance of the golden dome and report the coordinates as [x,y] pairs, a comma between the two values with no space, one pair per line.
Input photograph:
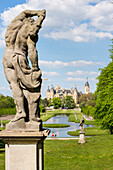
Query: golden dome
[58,87]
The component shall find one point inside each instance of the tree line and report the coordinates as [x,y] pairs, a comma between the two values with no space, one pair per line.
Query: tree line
[6,102]
[67,102]
[101,107]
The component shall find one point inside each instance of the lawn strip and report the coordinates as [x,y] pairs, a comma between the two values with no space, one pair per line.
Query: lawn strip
[56,125]
[89,131]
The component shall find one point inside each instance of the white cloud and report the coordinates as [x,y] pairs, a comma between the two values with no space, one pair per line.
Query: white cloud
[78,79]
[74,79]
[75,20]
[80,72]
[45,73]
[79,63]
[79,33]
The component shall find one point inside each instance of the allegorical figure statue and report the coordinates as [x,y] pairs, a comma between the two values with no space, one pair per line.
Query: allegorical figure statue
[25,81]
[82,124]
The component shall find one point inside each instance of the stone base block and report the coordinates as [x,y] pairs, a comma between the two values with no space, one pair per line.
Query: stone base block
[21,125]
[24,150]
[81,138]
[21,156]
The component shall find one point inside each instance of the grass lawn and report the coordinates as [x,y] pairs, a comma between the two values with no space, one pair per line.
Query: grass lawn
[89,131]
[96,153]
[56,125]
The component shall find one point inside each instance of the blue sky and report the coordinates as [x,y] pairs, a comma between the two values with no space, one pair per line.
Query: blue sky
[73,42]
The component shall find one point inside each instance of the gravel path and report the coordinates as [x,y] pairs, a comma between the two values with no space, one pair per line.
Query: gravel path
[87,117]
[6,117]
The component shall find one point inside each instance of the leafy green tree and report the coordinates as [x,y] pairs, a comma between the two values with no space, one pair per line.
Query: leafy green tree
[42,109]
[56,102]
[87,100]
[44,102]
[104,97]
[50,102]
[69,102]
[6,102]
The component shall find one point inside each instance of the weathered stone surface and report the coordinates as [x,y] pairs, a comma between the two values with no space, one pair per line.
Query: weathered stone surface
[21,125]
[24,150]
[25,82]
[81,138]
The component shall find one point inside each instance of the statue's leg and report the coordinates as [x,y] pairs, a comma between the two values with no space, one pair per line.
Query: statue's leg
[19,101]
[34,111]
[16,92]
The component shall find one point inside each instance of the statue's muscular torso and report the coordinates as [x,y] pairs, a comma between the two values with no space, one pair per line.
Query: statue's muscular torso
[16,41]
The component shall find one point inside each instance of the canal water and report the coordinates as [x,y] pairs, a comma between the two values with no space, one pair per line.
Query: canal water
[62,132]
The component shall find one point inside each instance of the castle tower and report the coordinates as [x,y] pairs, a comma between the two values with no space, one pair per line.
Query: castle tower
[75,95]
[48,93]
[52,92]
[87,87]
[57,87]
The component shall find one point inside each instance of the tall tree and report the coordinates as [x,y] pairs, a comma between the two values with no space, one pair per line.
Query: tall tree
[69,102]
[104,96]
[56,102]
[6,102]
[87,100]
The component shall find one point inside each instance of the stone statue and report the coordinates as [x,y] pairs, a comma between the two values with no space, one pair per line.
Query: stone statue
[82,124]
[81,133]
[25,81]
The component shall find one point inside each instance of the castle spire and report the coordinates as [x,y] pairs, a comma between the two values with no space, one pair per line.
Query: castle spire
[87,87]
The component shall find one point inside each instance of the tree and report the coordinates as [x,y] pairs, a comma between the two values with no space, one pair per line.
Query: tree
[44,102]
[56,102]
[6,102]
[87,100]
[69,102]
[50,102]
[104,97]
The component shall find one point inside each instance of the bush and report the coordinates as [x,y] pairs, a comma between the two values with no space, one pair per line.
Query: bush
[88,110]
[8,111]
[42,109]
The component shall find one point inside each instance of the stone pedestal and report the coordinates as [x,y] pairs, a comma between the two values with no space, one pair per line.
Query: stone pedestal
[24,150]
[81,137]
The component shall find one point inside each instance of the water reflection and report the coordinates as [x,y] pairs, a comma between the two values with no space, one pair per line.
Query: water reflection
[62,132]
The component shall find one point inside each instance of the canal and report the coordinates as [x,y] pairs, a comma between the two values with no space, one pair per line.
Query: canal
[62,132]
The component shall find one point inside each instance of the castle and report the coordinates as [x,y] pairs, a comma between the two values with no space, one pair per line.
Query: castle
[58,92]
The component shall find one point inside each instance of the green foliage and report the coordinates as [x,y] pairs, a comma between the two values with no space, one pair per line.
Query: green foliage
[56,102]
[44,102]
[42,109]
[8,111]
[104,97]
[6,102]
[50,102]
[68,102]
[88,110]
[87,100]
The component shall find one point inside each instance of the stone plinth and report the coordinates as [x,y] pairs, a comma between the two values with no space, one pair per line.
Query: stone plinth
[24,150]
[21,125]
[81,137]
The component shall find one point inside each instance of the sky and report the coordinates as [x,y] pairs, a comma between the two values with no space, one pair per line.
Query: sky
[73,44]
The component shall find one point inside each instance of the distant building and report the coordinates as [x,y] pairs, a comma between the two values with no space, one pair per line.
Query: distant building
[87,87]
[58,92]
